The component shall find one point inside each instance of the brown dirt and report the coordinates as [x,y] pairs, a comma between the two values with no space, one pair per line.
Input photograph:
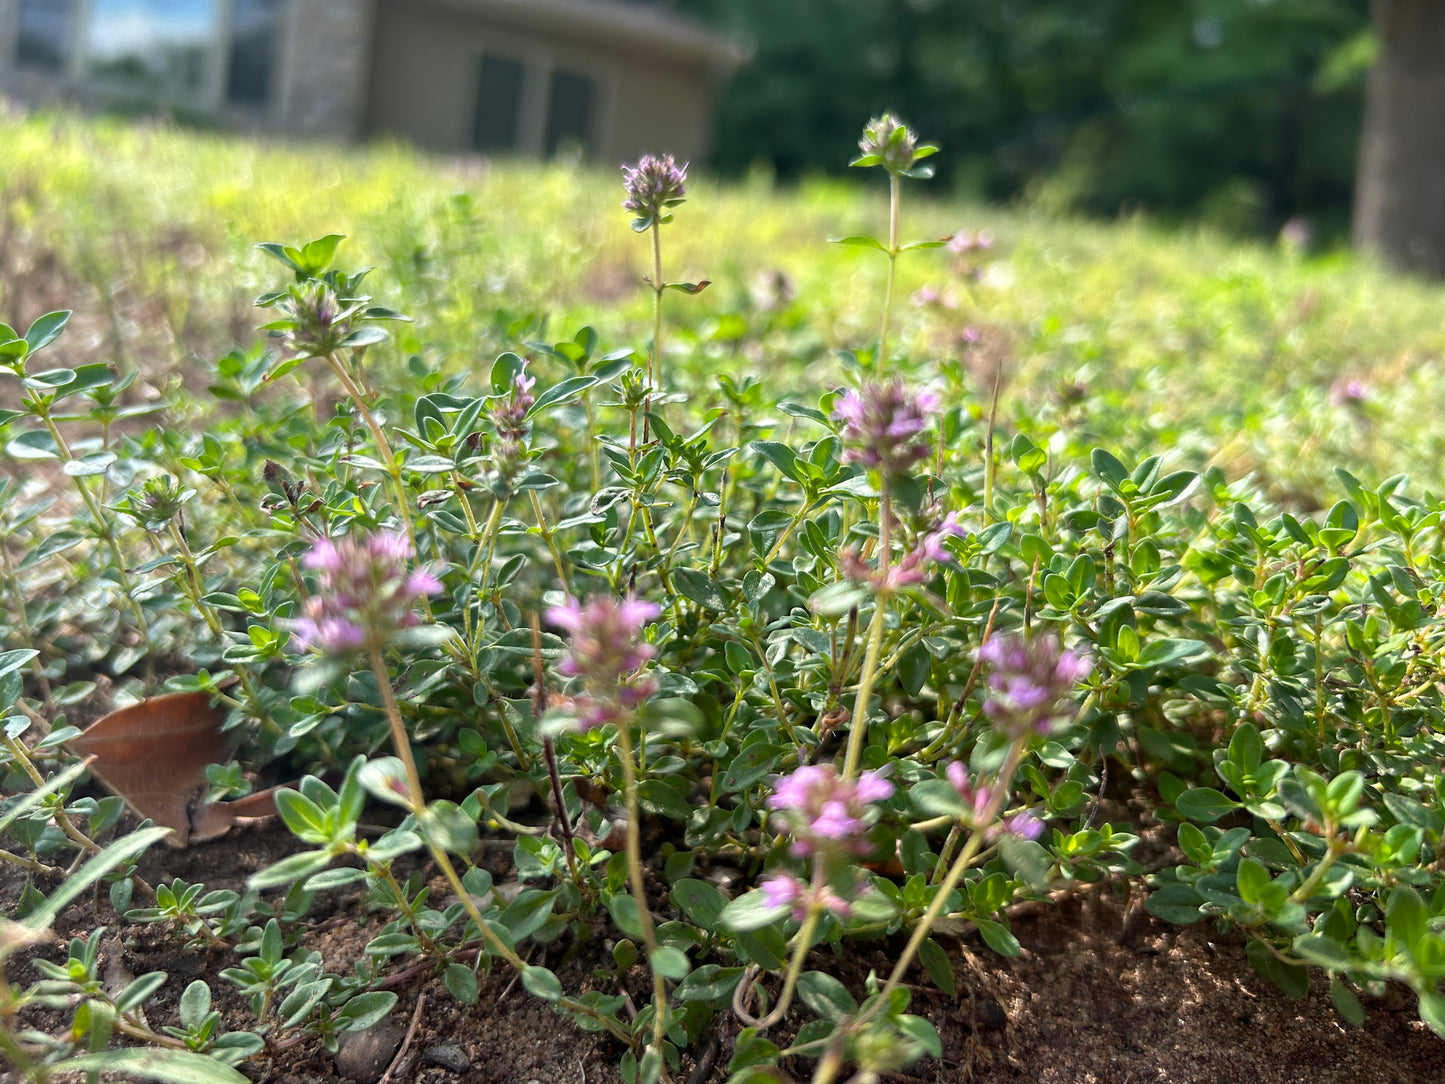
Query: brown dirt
[1094,999]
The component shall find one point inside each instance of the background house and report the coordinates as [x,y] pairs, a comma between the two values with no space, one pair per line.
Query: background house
[599,77]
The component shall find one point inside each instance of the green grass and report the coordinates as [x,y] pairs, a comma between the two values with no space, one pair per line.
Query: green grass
[1222,353]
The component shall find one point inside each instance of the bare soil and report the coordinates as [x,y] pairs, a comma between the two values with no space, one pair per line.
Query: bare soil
[1102,994]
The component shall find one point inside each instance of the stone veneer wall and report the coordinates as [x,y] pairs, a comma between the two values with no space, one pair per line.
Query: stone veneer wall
[325,69]
[320,82]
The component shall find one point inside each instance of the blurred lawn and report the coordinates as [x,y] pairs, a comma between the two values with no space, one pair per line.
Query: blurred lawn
[1182,342]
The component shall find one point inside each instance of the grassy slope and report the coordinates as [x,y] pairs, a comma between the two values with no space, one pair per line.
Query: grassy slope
[1218,352]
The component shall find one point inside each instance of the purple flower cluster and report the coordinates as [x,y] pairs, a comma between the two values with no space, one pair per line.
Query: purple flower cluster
[977,799]
[364,593]
[963,242]
[509,416]
[788,890]
[1030,683]
[653,185]
[913,567]
[825,812]
[1352,393]
[317,324]
[883,426]
[606,653]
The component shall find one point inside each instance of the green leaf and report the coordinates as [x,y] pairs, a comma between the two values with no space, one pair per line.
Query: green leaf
[316,256]
[700,901]
[700,588]
[1175,903]
[671,963]
[303,817]
[1204,804]
[461,983]
[1252,878]
[751,911]
[859,241]
[665,801]
[294,867]
[446,825]
[623,909]
[998,937]
[1346,1003]
[504,371]
[529,911]
[780,456]
[366,1010]
[46,330]
[1322,951]
[826,996]
[541,983]
[167,1066]
[939,967]
[561,392]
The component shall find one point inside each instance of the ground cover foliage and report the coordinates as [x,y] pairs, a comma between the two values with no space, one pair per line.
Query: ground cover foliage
[851,574]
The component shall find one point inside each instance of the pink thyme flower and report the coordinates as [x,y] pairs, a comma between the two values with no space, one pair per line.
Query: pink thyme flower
[606,653]
[1030,683]
[1351,393]
[509,417]
[1025,825]
[787,890]
[963,242]
[653,185]
[364,594]
[976,798]
[823,811]
[912,568]
[883,426]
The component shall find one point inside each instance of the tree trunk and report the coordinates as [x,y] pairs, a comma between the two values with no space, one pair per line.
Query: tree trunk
[1400,180]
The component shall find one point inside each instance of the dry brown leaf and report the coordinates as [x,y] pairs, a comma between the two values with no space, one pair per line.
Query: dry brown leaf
[153,754]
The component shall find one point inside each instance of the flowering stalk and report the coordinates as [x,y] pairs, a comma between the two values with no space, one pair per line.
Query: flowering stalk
[654,185]
[1028,688]
[890,143]
[607,656]
[366,597]
[882,429]
[827,816]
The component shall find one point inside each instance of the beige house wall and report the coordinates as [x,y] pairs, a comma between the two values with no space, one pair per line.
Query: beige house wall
[426,66]
[345,69]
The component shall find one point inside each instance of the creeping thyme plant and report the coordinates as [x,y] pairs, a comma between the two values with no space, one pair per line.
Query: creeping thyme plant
[740,676]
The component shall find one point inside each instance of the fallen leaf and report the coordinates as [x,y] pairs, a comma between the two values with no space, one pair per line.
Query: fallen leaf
[153,754]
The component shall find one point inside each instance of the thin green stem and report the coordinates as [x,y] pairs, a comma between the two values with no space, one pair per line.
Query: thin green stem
[550,538]
[27,631]
[388,457]
[859,728]
[639,886]
[417,800]
[895,186]
[802,942]
[654,362]
[998,796]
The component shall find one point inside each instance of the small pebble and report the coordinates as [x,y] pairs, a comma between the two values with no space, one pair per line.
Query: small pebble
[362,1056]
[449,1056]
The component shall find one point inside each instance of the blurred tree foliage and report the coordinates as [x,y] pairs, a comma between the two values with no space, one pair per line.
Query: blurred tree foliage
[1244,111]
